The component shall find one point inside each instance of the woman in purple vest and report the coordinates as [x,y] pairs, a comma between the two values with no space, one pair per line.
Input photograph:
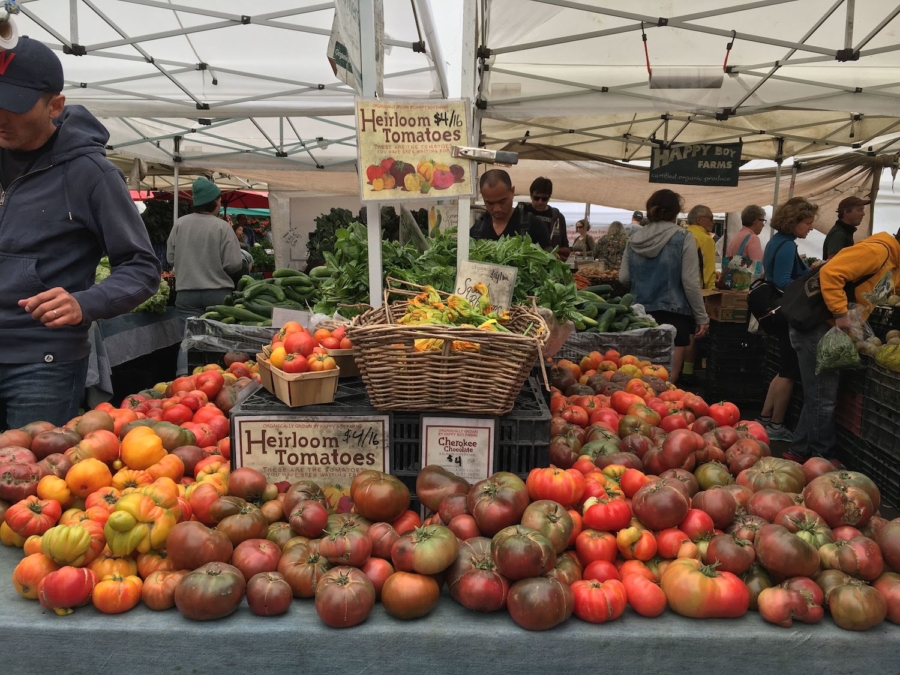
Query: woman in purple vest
[662,266]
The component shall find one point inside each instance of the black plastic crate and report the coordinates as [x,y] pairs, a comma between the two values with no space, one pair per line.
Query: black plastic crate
[744,392]
[871,460]
[523,436]
[882,386]
[881,427]
[884,319]
[198,357]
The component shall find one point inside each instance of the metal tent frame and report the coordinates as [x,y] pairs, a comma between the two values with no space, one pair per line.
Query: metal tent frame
[189,82]
[800,80]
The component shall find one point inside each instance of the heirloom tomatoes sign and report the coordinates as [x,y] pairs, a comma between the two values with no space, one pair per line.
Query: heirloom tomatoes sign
[404,149]
[327,450]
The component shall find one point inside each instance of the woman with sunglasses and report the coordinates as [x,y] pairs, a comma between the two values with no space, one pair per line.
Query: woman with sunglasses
[584,243]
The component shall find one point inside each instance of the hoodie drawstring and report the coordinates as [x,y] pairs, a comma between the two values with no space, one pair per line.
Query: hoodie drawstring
[66,189]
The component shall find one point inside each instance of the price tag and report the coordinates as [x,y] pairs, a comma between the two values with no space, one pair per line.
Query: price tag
[281,316]
[327,450]
[463,446]
[499,279]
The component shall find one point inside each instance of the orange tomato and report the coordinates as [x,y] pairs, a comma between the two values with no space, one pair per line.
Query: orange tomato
[169,466]
[29,572]
[142,448]
[321,334]
[657,371]
[320,362]
[71,516]
[153,561]
[289,328]
[10,538]
[107,564]
[116,594]
[32,545]
[276,358]
[88,476]
[53,487]
[346,344]
[126,478]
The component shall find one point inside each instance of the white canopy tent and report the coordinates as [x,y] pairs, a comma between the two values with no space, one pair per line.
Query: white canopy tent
[802,76]
[239,90]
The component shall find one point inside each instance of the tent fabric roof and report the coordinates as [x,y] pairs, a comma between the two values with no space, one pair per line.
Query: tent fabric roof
[239,81]
[574,75]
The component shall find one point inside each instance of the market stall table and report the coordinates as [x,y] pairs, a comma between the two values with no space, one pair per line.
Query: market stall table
[449,640]
[123,338]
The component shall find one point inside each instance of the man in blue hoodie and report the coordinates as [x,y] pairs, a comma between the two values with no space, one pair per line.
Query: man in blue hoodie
[62,206]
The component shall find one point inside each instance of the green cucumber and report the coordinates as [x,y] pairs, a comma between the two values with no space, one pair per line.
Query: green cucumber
[285,272]
[591,310]
[229,320]
[618,309]
[259,308]
[320,272]
[212,316]
[602,289]
[627,299]
[245,281]
[238,313]
[606,321]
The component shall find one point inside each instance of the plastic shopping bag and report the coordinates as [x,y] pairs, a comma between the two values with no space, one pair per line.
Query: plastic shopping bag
[836,351]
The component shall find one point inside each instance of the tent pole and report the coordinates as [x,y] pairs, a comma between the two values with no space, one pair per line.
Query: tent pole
[587,211]
[793,178]
[177,160]
[433,44]
[370,86]
[467,92]
[779,159]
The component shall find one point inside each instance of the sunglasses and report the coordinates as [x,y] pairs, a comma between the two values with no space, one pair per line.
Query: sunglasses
[540,198]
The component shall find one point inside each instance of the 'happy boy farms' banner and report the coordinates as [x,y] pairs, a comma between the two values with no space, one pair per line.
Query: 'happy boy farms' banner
[404,150]
[715,165]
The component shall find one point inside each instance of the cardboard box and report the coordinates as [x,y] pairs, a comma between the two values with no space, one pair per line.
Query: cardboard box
[727,314]
[345,361]
[726,299]
[298,389]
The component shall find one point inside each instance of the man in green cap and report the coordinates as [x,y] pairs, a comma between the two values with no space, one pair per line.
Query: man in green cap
[206,254]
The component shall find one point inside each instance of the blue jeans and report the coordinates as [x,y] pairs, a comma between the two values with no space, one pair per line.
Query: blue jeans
[191,304]
[815,430]
[47,392]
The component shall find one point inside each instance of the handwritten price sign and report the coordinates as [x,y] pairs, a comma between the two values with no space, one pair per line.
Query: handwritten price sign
[328,450]
[463,446]
[499,279]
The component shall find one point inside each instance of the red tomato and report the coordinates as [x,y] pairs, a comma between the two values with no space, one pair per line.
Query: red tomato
[674,421]
[697,524]
[408,520]
[636,544]
[562,486]
[606,416]
[268,594]
[621,401]
[695,404]
[474,580]
[574,414]
[344,597]
[609,515]
[178,414]
[669,541]
[295,363]
[593,545]
[701,592]
[725,413]
[645,597]
[599,602]
[210,382]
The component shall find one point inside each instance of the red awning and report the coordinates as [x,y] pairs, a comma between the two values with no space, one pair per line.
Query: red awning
[237,199]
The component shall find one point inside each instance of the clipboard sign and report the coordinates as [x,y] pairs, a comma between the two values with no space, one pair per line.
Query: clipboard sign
[462,446]
[499,279]
[281,316]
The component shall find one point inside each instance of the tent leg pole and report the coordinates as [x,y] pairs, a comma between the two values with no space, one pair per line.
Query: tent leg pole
[587,212]
[793,179]
[777,185]
[468,75]
[177,140]
[370,87]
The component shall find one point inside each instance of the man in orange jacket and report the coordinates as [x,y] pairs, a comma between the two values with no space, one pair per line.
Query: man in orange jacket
[874,265]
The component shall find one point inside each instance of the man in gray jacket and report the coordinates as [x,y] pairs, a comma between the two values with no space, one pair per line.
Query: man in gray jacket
[62,206]
[205,252]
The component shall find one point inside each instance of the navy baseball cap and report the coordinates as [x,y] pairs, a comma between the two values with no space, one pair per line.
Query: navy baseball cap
[26,72]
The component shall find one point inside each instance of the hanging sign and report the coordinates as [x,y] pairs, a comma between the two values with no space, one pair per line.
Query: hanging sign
[710,164]
[499,279]
[327,450]
[345,48]
[404,149]
[462,446]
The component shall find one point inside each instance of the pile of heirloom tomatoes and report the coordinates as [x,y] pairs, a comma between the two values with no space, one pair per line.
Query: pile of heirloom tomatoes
[655,501]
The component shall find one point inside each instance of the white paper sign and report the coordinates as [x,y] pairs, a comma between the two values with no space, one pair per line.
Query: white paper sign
[499,279]
[281,316]
[463,446]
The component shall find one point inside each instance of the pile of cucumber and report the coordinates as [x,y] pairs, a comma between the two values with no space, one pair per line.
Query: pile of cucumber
[253,300]
[604,314]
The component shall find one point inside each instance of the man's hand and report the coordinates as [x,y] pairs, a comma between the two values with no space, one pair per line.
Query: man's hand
[701,330]
[843,322]
[54,308]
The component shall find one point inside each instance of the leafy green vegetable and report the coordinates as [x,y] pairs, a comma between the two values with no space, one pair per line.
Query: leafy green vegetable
[540,273]
[156,303]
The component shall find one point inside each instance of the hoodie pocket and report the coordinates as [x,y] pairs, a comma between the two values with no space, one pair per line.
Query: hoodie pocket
[19,278]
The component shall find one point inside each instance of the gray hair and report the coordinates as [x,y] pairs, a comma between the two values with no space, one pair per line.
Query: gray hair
[697,212]
[751,214]
[616,229]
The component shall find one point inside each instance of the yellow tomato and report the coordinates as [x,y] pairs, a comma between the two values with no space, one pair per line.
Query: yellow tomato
[276,358]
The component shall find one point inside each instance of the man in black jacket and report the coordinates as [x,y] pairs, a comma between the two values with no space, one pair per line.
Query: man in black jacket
[549,216]
[851,211]
[63,205]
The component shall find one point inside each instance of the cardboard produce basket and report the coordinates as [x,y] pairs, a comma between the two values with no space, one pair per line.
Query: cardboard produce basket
[298,389]
[345,361]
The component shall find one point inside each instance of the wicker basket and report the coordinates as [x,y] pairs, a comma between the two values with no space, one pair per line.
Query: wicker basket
[484,382]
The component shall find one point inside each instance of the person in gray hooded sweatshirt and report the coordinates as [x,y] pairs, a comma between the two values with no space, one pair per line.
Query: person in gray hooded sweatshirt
[62,206]
[663,269]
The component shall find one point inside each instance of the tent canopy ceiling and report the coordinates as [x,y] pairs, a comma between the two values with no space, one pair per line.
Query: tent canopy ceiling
[242,90]
[574,75]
